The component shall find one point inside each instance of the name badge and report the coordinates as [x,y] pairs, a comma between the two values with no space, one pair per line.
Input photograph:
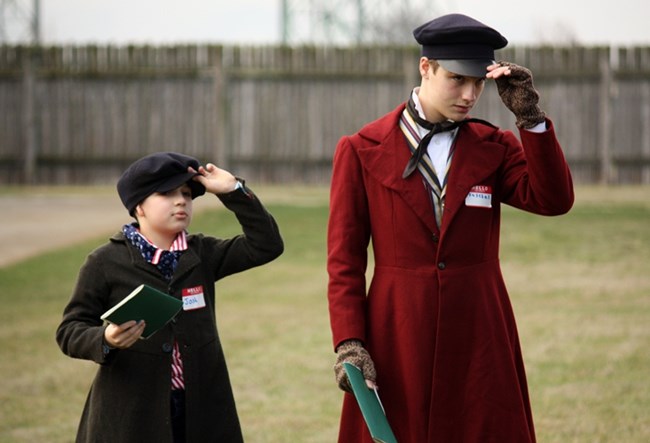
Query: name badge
[193,298]
[479,197]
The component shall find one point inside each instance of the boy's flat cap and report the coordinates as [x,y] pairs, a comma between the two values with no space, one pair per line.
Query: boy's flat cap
[459,43]
[159,172]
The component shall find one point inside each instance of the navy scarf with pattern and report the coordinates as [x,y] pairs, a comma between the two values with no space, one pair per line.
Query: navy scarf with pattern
[168,259]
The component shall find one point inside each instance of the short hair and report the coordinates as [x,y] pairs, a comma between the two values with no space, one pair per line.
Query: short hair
[434,64]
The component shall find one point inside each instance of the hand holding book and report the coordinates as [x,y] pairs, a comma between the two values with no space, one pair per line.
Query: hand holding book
[125,335]
[144,311]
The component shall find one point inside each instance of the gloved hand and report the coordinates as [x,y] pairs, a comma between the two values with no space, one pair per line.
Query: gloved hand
[352,351]
[519,95]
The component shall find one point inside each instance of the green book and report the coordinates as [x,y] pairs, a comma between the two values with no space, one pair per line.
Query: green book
[370,405]
[145,303]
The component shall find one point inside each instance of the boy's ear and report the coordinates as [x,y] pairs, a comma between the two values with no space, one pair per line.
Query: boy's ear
[424,66]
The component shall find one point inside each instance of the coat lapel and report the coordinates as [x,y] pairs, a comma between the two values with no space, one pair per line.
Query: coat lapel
[386,161]
[474,160]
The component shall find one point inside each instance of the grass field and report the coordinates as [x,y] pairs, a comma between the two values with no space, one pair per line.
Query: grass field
[580,286]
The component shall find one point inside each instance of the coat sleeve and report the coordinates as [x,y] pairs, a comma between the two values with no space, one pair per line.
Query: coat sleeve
[348,236]
[259,243]
[537,178]
[81,332]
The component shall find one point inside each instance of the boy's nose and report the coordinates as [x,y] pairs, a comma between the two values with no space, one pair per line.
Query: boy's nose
[469,92]
[179,198]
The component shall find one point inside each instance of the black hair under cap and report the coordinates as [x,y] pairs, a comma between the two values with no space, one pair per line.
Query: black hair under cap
[159,172]
[459,42]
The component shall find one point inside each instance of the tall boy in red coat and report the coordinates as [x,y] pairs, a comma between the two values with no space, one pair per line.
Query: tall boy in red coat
[435,331]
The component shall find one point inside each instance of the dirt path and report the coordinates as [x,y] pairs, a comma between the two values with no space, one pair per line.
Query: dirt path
[39,220]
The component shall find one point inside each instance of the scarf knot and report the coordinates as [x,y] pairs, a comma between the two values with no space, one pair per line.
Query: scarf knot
[434,128]
[165,261]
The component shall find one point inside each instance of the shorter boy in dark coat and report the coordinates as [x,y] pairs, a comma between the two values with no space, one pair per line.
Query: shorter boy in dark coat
[173,386]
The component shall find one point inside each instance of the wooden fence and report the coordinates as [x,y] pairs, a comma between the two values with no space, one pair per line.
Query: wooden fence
[79,115]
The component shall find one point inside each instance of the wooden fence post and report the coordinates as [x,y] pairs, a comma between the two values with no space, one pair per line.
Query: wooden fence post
[411,73]
[221,148]
[28,117]
[605,139]
[645,133]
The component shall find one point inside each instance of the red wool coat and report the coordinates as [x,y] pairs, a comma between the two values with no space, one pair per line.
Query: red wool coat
[436,318]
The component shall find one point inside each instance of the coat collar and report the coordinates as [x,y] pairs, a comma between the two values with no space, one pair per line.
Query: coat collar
[385,154]
[188,260]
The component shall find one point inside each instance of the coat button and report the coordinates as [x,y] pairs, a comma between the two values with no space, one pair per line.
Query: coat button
[442,265]
[435,238]
[167,348]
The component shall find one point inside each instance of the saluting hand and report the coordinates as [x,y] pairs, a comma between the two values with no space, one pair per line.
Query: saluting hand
[215,180]
[515,86]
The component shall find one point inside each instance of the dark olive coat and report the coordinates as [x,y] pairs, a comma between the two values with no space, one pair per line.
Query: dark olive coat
[129,400]
[436,318]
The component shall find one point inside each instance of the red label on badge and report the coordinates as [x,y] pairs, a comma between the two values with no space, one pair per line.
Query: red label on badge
[481,189]
[193,291]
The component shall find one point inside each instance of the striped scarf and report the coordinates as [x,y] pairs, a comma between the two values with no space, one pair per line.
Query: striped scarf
[409,123]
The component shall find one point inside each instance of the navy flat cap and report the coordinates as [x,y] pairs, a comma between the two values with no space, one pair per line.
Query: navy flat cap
[460,44]
[159,172]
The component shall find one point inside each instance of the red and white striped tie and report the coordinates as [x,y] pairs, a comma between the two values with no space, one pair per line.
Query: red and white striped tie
[177,368]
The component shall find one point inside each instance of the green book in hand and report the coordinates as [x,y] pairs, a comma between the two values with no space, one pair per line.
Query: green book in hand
[145,303]
[370,405]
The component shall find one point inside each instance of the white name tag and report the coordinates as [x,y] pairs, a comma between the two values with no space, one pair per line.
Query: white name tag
[193,298]
[479,197]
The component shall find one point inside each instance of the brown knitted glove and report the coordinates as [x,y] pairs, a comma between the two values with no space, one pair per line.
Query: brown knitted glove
[519,95]
[352,351]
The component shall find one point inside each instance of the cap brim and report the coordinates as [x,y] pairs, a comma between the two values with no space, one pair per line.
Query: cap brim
[470,68]
[178,180]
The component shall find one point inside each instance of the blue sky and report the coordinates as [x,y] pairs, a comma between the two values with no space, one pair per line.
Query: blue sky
[258,21]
